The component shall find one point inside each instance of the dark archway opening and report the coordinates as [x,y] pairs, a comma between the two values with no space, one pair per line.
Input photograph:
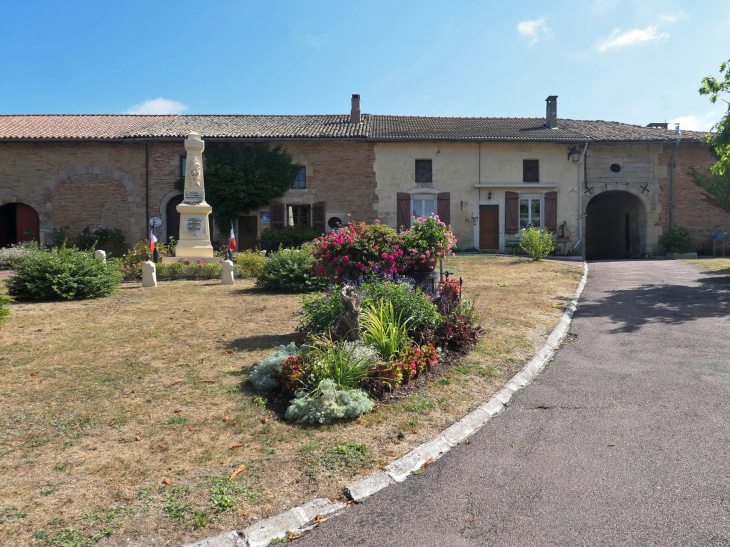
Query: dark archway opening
[18,222]
[173,218]
[614,226]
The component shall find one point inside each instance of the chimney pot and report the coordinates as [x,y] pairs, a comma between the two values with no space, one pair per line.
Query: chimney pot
[355,110]
[551,112]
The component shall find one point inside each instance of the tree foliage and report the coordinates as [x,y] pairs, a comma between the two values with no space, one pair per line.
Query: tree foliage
[243,177]
[713,87]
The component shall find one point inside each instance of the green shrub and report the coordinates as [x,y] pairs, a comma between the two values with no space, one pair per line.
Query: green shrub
[162,269]
[139,252]
[678,240]
[250,263]
[10,255]
[63,273]
[537,242]
[290,270]
[320,312]
[385,330]
[206,270]
[4,312]
[132,272]
[327,404]
[99,238]
[176,269]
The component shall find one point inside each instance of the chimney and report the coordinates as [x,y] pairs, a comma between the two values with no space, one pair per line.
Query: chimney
[551,114]
[355,111]
[659,125]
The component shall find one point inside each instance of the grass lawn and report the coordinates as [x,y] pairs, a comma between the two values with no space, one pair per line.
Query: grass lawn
[719,264]
[121,419]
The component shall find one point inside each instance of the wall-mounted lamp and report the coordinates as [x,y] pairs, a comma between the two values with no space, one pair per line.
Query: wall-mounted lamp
[574,154]
[489,195]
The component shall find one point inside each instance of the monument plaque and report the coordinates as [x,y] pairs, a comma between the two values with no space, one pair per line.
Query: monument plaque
[194,195]
[194,225]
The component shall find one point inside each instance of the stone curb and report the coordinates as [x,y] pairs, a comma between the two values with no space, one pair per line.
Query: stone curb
[303,518]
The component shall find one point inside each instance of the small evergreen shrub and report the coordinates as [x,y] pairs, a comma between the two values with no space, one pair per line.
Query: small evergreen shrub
[263,377]
[678,240]
[295,234]
[290,270]
[328,404]
[162,269]
[4,311]
[537,242]
[250,263]
[206,270]
[63,273]
[176,270]
[98,238]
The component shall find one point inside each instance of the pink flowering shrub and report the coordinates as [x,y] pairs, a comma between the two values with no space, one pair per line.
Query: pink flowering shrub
[357,249]
[290,374]
[416,360]
[449,296]
[427,240]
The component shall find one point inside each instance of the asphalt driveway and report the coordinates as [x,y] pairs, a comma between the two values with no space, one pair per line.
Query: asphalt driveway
[623,440]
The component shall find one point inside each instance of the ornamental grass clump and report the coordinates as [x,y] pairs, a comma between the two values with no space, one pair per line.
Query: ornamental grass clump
[537,242]
[385,330]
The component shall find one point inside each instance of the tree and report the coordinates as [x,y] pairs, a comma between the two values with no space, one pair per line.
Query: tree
[242,177]
[721,141]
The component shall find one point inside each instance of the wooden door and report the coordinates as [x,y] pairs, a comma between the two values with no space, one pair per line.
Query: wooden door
[246,233]
[18,222]
[489,226]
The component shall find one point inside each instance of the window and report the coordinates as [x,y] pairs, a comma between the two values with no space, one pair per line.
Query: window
[422,207]
[300,181]
[423,171]
[298,215]
[530,212]
[183,165]
[530,171]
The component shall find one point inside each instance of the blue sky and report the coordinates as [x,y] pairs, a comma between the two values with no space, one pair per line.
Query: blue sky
[628,61]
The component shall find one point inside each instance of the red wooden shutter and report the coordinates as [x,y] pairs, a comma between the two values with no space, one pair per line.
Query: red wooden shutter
[551,211]
[318,216]
[277,214]
[444,207]
[404,210]
[511,213]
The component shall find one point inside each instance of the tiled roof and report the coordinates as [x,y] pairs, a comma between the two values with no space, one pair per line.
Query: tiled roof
[373,127]
[336,126]
[71,126]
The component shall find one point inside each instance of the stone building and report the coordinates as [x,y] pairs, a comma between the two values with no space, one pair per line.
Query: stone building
[607,186]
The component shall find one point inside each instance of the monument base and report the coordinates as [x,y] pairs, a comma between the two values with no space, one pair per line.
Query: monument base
[197,249]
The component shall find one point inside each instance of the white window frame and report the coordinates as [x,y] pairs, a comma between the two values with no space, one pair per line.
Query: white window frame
[531,197]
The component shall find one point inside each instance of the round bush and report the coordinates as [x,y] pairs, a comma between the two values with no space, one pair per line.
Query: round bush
[290,270]
[63,274]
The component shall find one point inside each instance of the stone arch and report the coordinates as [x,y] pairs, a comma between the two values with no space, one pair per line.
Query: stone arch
[106,174]
[164,231]
[616,225]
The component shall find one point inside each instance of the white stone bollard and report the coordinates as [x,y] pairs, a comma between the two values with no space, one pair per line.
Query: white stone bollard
[228,272]
[149,274]
[100,254]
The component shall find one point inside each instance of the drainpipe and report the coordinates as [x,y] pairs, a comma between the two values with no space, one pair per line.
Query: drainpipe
[671,183]
[146,185]
[581,168]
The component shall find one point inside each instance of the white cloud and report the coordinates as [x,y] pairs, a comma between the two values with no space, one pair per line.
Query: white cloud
[158,106]
[534,29]
[672,17]
[633,37]
[697,123]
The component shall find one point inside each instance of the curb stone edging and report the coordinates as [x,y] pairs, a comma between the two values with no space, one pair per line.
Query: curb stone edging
[301,519]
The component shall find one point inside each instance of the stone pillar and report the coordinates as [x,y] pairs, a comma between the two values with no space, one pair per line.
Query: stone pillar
[149,274]
[228,272]
[100,254]
[194,233]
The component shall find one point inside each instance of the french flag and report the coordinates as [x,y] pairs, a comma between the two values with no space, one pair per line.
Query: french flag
[153,239]
[232,240]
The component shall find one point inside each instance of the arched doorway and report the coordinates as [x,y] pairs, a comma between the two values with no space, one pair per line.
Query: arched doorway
[615,226]
[173,218]
[18,222]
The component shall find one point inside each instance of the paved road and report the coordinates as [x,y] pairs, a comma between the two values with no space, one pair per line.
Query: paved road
[623,440]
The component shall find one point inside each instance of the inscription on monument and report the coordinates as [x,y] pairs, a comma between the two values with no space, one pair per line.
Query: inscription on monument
[193,225]
[194,195]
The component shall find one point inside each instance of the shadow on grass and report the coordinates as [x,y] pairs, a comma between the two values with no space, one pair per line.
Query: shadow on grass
[261,341]
[633,308]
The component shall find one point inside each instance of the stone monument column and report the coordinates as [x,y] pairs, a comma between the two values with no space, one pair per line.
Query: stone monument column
[194,233]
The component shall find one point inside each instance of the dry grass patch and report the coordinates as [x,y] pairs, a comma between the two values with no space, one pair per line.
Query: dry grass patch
[715,263]
[123,418]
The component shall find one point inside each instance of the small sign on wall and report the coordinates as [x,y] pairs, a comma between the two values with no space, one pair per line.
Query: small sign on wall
[264,216]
